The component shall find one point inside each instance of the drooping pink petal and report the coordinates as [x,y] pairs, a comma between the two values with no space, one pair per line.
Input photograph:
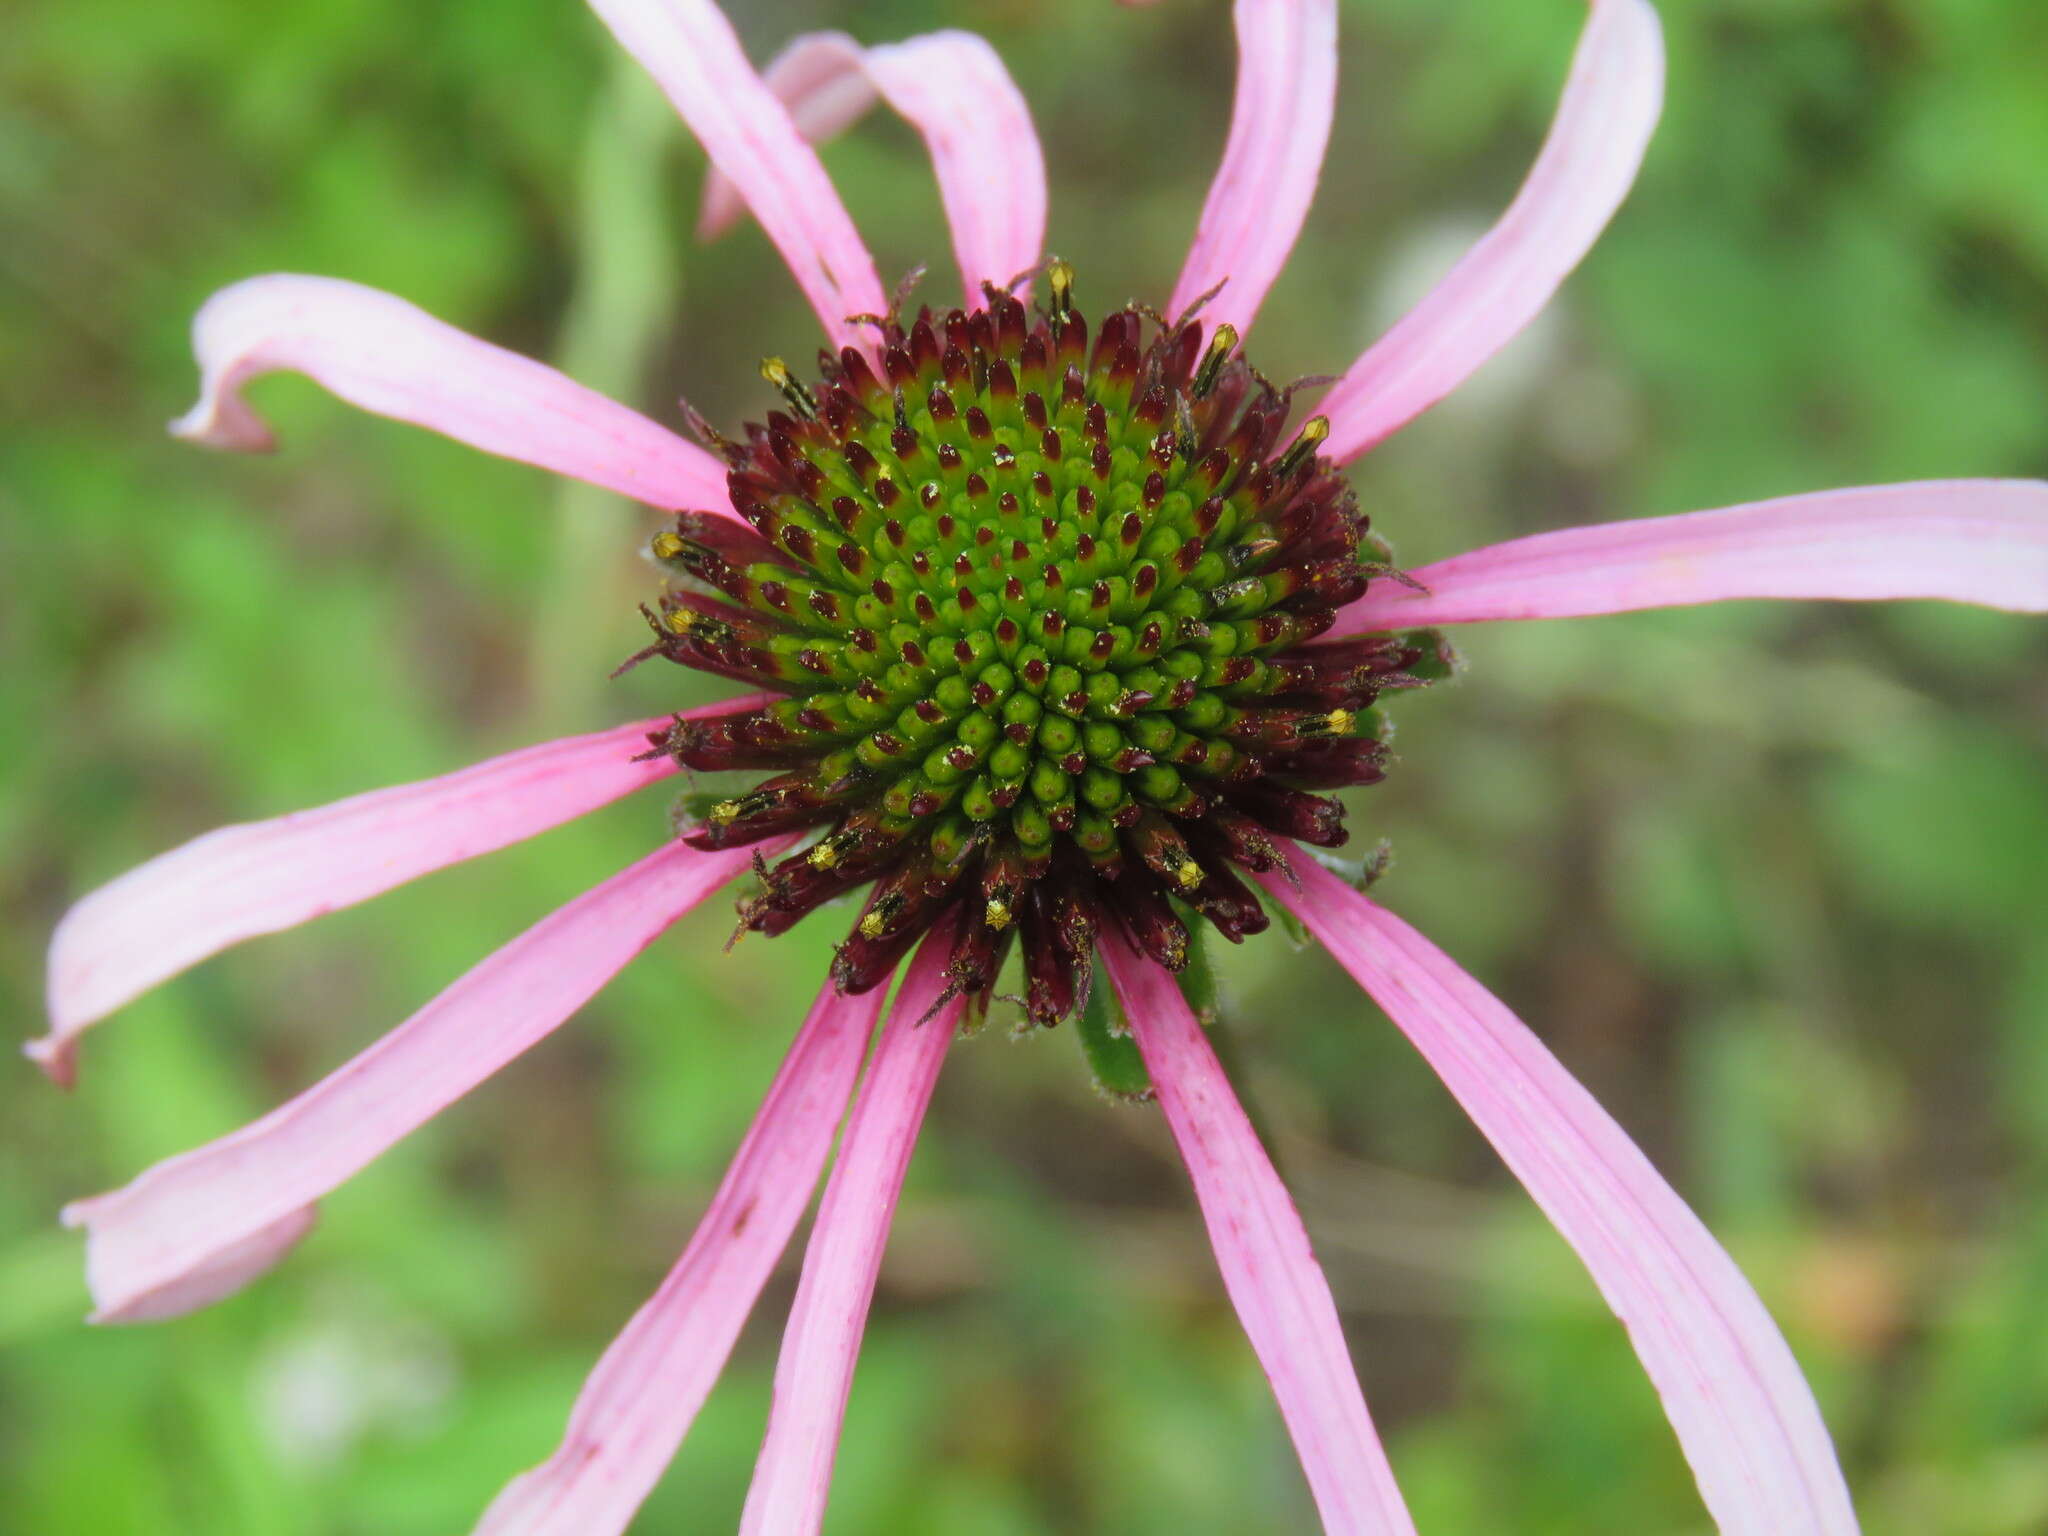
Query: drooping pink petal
[1279,128]
[1585,169]
[1732,1390]
[1263,1250]
[265,876]
[641,1399]
[814,1373]
[151,1243]
[689,48]
[387,356]
[1969,541]
[953,89]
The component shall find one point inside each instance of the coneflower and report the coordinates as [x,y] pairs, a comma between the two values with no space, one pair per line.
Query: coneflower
[1058,633]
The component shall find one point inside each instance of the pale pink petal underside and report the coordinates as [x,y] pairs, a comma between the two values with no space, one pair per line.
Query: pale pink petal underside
[815,1371]
[225,1271]
[237,882]
[1969,541]
[1585,169]
[1732,1390]
[689,48]
[387,356]
[1279,128]
[1263,1250]
[640,1400]
[953,89]
[150,1242]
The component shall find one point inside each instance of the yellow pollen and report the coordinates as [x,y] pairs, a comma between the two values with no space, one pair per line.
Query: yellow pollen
[1189,874]
[725,813]
[998,914]
[873,925]
[800,399]
[679,620]
[1061,280]
[1341,721]
[1221,345]
[824,856]
[667,545]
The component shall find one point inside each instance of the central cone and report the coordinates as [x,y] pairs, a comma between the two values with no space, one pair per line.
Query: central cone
[1039,610]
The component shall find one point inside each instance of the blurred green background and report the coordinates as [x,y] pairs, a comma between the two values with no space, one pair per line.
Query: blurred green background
[1769,878]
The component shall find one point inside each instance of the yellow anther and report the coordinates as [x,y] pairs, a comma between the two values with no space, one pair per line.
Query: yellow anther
[667,545]
[1307,441]
[1189,874]
[874,925]
[1340,721]
[725,813]
[1061,278]
[679,620]
[998,913]
[800,399]
[825,856]
[1221,345]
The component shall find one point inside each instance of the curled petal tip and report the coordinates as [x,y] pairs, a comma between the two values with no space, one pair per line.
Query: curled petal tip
[57,1058]
[391,358]
[229,1270]
[222,421]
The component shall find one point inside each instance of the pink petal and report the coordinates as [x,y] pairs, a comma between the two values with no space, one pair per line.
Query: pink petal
[639,1402]
[1587,164]
[1970,541]
[153,1244]
[953,89]
[1730,1386]
[223,1272]
[1279,128]
[815,1371]
[385,355]
[689,48]
[261,877]
[1263,1250]
[819,79]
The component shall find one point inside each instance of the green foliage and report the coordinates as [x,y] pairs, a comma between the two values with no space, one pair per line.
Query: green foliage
[1769,878]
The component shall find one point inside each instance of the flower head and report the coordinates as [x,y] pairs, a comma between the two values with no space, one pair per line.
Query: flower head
[1037,610]
[1059,632]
